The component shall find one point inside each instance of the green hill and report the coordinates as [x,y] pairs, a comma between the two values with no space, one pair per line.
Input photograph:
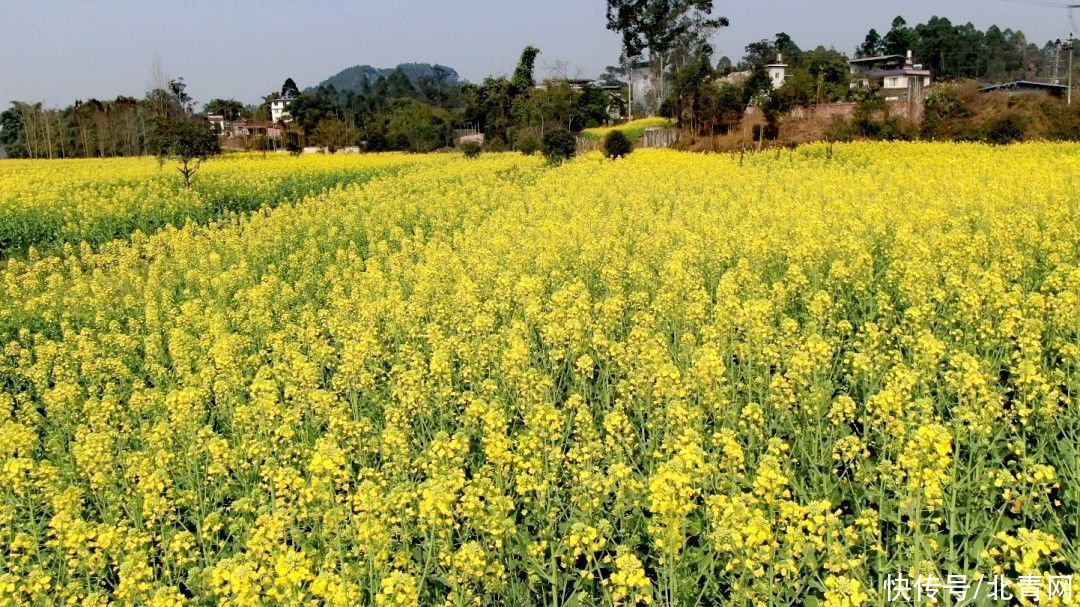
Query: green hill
[352,78]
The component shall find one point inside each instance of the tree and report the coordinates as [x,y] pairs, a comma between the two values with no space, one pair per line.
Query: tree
[690,93]
[11,133]
[591,107]
[332,134]
[308,110]
[551,106]
[230,109]
[937,45]
[436,88]
[522,81]
[900,39]
[960,52]
[758,54]
[830,73]
[757,84]
[395,85]
[289,88]
[785,46]
[488,104]
[657,26]
[186,140]
[871,46]
[499,104]
[726,107]
[178,91]
[471,149]
[418,127]
[798,88]
[613,75]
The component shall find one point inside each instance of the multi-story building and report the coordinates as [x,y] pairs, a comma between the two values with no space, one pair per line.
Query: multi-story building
[898,77]
[279,109]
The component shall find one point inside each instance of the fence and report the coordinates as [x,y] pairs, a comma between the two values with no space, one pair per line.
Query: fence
[658,137]
[588,144]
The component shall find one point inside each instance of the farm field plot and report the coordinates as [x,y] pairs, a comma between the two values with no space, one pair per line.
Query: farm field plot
[634,130]
[670,379]
[48,205]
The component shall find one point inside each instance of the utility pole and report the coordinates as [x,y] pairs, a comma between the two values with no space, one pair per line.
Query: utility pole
[1070,29]
[1068,95]
[1057,60]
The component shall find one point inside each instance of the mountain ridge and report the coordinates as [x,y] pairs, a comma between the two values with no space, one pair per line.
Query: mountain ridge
[352,78]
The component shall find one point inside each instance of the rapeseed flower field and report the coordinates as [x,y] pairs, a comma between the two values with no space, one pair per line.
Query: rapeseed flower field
[634,129]
[93,201]
[668,379]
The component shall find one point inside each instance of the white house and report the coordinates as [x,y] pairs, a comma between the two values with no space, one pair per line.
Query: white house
[279,109]
[777,72]
[218,123]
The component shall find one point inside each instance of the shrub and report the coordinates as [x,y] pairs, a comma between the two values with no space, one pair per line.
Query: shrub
[471,149]
[616,145]
[528,145]
[894,128]
[1005,129]
[769,131]
[840,129]
[559,146]
[948,112]
[1064,121]
[376,142]
[292,145]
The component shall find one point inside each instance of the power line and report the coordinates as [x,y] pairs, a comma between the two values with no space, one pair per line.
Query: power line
[1070,21]
[1043,3]
[1070,29]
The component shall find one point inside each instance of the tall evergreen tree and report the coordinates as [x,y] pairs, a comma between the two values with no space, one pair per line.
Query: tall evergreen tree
[871,45]
[289,88]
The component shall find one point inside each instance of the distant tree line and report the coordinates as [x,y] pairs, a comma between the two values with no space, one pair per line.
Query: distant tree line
[709,99]
[419,108]
[396,112]
[393,112]
[963,52]
[120,127]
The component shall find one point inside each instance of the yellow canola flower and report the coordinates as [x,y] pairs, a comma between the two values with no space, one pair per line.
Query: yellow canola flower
[424,380]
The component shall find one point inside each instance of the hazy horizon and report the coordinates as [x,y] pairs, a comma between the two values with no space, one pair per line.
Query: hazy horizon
[66,50]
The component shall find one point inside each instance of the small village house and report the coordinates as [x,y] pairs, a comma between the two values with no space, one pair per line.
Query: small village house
[243,128]
[616,105]
[279,109]
[1029,87]
[468,131]
[898,77]
[777,72]
[218,123]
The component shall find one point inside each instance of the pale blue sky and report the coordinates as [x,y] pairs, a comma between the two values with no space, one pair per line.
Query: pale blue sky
[55,50]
